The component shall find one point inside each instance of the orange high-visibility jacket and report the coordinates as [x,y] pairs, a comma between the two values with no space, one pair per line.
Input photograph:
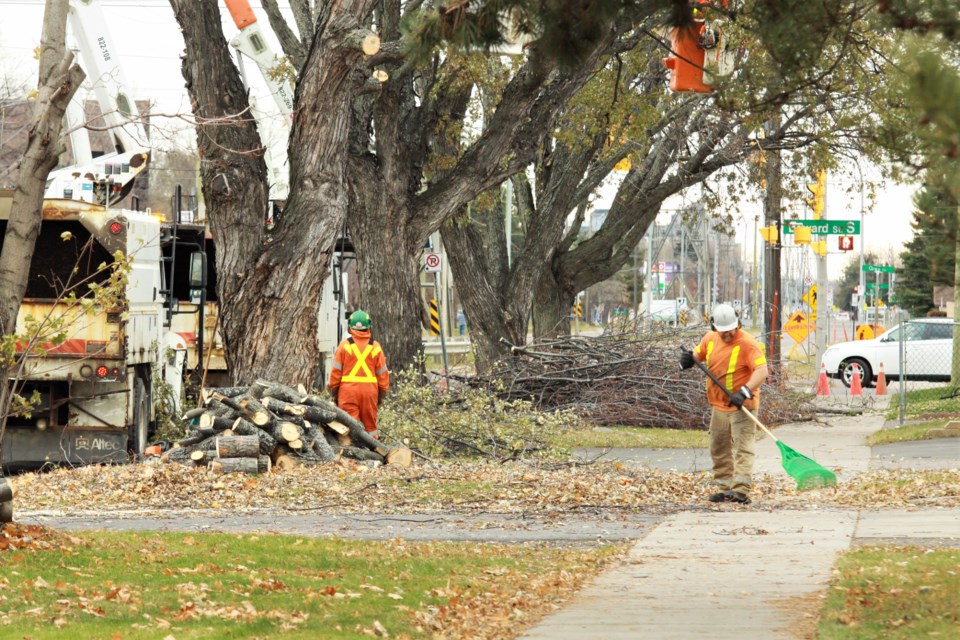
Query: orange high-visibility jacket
[732,364]
[359,372]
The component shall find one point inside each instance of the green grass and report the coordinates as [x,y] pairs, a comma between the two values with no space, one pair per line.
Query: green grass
[619,437]
[906,433]
[157,585]
[893,593]
[935,402]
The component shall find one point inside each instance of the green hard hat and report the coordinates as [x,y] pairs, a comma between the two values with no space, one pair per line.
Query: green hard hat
[360,320]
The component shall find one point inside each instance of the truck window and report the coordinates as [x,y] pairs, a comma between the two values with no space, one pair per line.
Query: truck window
[55,258]
[939,331]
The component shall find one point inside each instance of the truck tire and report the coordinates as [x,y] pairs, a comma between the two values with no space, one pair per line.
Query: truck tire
[6,511]
[140,429]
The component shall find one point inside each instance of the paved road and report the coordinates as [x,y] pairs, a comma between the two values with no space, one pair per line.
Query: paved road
[940,453]
[488,527]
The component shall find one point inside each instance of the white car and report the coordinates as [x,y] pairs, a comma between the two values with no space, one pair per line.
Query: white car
[928,350]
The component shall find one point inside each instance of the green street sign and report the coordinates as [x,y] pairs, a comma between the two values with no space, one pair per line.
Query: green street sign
[873,268]
[825,227]
[873,285]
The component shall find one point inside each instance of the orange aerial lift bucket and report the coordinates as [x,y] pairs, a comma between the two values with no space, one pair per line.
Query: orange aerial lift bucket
[686,63]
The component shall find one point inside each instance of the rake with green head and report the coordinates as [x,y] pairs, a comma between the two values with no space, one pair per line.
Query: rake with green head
[808,473]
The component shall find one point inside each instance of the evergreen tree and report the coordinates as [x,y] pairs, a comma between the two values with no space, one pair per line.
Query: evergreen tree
[928,259]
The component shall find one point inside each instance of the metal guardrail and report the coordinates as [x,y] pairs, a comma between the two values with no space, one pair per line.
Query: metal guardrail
[432,348]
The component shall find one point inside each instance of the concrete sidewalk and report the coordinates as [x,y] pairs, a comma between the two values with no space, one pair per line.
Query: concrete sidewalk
[741,572]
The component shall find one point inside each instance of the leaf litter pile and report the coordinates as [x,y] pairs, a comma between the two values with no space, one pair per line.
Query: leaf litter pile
[468,487]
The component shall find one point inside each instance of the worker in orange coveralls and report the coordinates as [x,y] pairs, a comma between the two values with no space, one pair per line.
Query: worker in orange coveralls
[359,378]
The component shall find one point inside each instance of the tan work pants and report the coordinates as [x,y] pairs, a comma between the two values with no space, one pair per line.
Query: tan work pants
[732,446]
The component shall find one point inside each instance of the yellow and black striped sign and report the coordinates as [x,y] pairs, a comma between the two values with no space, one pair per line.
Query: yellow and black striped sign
[577,309]
[434,318]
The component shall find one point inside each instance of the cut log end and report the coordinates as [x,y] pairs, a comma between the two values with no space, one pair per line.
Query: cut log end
[400,456]
[370,44]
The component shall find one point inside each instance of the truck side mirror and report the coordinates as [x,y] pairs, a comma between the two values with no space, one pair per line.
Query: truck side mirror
[198,270]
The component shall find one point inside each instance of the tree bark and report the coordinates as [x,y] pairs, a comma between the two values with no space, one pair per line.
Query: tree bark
[286,268]
[58,81]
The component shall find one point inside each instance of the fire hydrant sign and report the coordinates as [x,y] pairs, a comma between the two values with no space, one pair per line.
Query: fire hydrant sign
[431,262]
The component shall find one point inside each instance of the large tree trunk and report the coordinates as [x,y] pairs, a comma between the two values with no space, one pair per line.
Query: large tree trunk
[551,306]
[59,80]
[269,287]
[479,265]
[388,264]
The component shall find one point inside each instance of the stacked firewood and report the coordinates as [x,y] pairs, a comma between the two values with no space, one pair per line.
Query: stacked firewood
[269,425]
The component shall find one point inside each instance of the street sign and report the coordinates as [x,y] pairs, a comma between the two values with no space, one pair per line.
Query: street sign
[873,285]
[873,268]
[810,297]
[797,327]
[681,302]
[431,262]
[825,227]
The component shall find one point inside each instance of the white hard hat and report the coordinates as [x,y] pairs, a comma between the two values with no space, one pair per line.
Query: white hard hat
[724,318]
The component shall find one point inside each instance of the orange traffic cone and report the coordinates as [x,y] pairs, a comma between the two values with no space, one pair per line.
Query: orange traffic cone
[855,388]
[881,383]
[823,385]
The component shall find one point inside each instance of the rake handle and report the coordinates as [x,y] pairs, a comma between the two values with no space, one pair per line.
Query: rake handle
[710,375]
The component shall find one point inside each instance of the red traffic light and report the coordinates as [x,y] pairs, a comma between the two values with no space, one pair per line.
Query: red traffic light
[846,243]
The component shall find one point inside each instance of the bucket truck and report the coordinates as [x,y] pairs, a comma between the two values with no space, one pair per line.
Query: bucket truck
[108,178]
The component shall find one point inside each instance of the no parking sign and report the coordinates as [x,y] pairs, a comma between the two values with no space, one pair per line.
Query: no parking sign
[431,262]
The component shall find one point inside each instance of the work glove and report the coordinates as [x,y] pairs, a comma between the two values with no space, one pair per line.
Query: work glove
[334,393]
[686,359]
[741,396]
[381,394]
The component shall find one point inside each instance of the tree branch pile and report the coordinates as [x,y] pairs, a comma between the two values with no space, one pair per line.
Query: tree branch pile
[270,425]
[631,379]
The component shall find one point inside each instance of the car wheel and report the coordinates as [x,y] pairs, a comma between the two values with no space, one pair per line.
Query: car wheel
[848,367]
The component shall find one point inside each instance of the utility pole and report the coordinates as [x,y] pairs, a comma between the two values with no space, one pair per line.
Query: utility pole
[772,216]
[819,304]
[755,288]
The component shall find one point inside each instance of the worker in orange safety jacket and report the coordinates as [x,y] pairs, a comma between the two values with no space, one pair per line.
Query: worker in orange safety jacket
[359,378]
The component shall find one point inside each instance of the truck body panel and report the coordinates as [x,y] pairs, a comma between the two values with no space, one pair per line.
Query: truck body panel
[83,361]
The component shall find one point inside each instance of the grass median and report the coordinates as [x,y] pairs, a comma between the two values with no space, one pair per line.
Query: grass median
[893,593]
[157,585]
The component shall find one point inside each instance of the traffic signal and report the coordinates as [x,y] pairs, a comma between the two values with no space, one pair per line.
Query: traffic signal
[819,191]
[845,242]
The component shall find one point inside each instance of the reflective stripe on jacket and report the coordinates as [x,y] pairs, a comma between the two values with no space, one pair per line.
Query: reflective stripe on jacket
[732,364]
[359,360]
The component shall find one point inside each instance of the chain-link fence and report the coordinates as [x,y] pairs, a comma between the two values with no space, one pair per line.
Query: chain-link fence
[924,363]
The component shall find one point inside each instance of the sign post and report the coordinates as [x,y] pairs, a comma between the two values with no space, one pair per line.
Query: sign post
[877,270]
[433,264]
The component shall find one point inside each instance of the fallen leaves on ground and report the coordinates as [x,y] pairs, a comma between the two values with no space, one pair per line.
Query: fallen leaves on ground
[15,536]
[513,487]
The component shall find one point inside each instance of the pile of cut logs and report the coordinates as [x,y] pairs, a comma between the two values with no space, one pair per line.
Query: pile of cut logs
[269,425]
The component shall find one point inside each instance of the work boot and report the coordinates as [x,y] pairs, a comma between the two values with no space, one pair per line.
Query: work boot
[735,496]
[718,497]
